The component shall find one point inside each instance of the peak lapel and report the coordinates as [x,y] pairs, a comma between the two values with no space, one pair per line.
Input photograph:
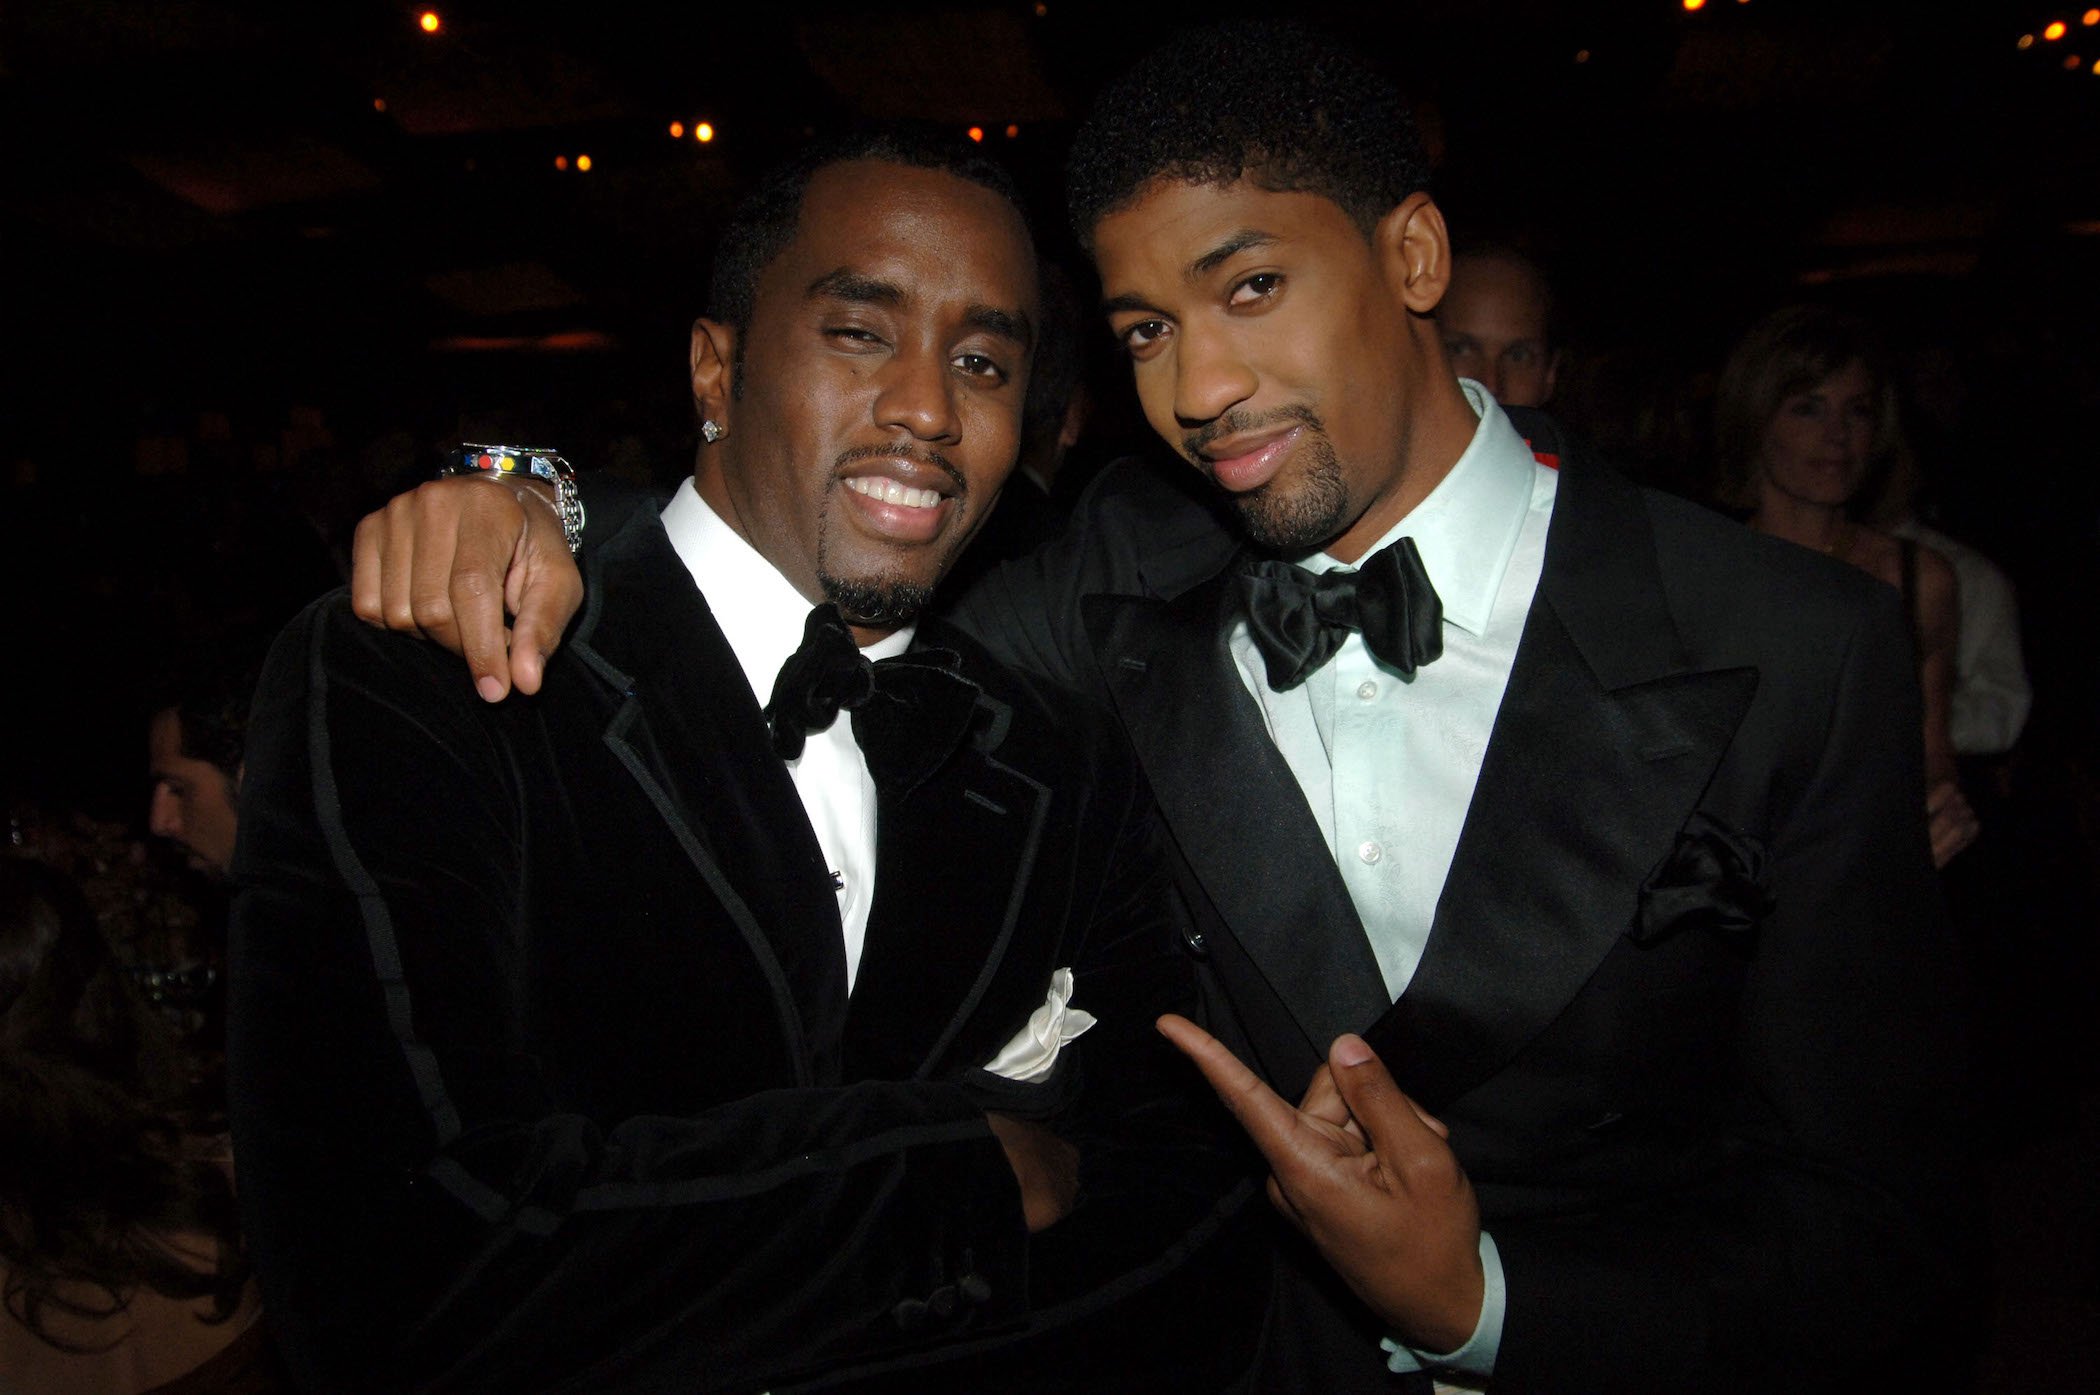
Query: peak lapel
[1606,738]
[1232,804]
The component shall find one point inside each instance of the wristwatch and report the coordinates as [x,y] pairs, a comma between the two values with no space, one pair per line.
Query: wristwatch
[539,462]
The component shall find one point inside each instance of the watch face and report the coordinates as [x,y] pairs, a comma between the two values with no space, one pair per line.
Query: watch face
[537,461]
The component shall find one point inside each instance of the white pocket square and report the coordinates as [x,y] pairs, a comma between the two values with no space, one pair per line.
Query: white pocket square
[1032,1053]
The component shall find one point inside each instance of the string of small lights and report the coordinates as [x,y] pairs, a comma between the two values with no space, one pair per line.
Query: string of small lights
[2068,33]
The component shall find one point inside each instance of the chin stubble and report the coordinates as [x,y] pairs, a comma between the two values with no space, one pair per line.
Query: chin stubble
[1311,511]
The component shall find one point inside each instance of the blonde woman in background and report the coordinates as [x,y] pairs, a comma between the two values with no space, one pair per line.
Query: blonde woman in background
[1805,419]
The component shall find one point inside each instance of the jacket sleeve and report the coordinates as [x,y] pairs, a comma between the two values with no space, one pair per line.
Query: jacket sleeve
[1142,527]
[1836,1234]
[424,1213]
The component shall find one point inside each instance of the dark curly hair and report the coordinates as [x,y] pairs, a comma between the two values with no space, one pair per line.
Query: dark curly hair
[209,684]
[94,1170]
[764,223]
[1278,103]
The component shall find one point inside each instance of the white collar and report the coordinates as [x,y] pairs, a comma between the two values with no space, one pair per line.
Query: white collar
[760,613]
[1467,528]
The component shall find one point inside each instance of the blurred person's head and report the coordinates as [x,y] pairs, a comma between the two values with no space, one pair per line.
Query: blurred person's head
[865,365]
[194,739]
[1058,398]
[1255,197]
[1805,410]
[95,1172]
[1497,320]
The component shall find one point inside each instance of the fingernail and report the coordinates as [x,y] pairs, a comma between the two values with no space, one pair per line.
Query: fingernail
[489,688]
[1350,1050]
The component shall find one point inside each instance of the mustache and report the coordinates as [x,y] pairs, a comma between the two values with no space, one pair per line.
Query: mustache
[1196,444]
[932,459]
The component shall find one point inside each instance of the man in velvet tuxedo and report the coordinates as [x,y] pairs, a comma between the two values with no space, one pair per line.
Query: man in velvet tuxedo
[630,1038]
[1555,843]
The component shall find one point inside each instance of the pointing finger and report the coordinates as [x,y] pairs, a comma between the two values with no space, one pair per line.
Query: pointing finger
[1266,1117]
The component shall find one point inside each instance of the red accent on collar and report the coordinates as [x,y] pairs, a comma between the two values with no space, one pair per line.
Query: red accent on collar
[1551,462]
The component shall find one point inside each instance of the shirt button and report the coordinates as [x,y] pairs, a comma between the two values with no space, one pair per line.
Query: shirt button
[1367,690]
[1369,851]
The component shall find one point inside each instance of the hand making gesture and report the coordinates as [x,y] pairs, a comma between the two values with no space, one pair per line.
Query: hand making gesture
[1366,1175]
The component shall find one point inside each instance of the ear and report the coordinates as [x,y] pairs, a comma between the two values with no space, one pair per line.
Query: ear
[714,351]
[1079,408]
[1415,252]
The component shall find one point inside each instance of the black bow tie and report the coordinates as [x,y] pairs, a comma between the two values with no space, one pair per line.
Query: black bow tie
[1299,618]
[909,713]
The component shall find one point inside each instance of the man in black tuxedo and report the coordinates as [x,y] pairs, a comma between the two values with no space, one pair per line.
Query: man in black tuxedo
[1593,816]
[632,1039]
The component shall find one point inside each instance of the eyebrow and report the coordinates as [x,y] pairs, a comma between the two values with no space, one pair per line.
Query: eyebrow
[1009,324]
[1228,249]
[843,284]
[1210,261]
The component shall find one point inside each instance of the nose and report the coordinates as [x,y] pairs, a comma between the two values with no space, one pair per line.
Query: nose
[164,814]
[1491,379]
[918,395]
[1210,377]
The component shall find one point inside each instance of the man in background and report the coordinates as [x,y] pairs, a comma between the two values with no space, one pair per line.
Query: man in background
[194,743]
[1497,321]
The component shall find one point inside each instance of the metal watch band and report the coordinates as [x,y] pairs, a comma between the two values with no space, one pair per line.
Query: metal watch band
[475,458]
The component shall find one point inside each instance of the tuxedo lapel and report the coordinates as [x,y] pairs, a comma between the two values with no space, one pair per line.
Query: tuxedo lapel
[1233,805]
[953,861]
[1604,742]
[688,731]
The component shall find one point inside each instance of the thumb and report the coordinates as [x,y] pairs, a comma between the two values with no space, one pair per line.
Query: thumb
[1386,1114]
[548,595]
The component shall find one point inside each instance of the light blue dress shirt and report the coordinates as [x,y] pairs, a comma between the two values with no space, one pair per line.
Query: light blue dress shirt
[1388,764]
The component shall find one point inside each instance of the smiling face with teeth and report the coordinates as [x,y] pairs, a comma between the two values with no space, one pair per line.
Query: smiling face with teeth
[877,401]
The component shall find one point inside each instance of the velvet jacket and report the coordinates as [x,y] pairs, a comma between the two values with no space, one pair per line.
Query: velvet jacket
[1687,1002]
[545,1076]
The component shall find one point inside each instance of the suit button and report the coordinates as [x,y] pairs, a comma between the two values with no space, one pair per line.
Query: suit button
[975,1288]
[1192,940]
[910,1315]
[942,1301]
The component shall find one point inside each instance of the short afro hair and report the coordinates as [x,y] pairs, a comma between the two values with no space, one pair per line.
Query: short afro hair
[1274,102]
[764,222]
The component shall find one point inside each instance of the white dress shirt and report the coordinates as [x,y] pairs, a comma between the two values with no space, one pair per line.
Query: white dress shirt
[762,615]
[1388,764]
[1991,694]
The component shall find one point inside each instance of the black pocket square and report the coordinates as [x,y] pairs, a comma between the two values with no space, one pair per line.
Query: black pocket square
[1714,878]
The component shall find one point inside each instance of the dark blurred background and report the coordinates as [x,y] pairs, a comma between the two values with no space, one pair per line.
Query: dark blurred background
[266,260]
[300,246]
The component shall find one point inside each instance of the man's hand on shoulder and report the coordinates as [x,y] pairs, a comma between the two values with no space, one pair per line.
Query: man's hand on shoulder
[1367,1176]
[1045,1165]
[450,559]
